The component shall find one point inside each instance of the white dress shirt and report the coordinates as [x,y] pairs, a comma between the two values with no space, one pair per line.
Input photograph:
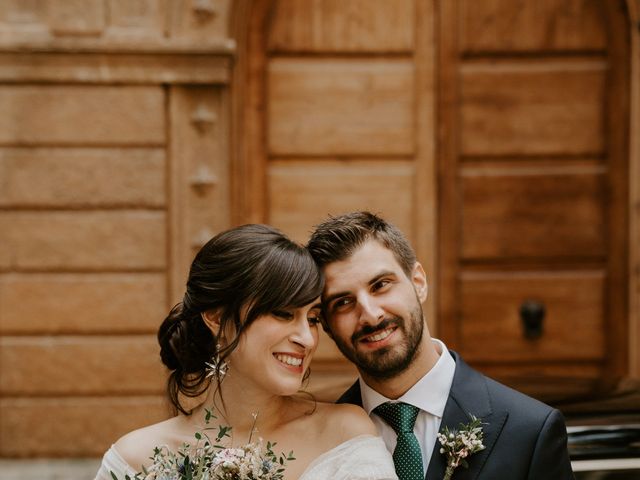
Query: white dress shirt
[429,394]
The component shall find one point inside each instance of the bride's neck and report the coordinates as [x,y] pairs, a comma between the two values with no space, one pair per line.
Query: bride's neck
[240,407]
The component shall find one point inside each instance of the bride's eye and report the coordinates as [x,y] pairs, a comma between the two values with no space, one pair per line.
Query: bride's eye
[313,318]
[283,314]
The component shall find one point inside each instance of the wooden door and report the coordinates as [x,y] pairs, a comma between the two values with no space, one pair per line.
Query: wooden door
[496,141]
[339,116]
[533,207]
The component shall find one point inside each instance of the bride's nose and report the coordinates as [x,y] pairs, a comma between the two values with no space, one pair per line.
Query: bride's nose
[302,333]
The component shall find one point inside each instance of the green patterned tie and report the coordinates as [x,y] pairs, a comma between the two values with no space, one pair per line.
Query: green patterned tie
[407,456]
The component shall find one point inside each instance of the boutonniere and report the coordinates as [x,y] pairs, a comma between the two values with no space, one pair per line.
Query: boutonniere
[457,445]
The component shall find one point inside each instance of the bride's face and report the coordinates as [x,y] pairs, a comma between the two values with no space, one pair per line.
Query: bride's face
[276,349]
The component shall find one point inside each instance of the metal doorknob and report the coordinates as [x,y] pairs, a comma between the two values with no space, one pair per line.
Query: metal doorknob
[532,314]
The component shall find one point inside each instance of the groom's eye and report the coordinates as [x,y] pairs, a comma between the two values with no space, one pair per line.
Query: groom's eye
[380,284]
[340,304]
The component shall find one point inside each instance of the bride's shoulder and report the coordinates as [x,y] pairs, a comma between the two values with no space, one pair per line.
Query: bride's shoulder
[346,420]
[136,447]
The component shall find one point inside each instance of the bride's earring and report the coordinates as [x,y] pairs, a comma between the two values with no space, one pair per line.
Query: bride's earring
[217,367]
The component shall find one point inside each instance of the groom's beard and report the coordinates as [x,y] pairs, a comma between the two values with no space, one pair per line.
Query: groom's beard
[387,362]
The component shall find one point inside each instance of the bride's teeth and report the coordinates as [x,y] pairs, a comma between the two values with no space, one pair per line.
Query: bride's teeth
[289,360]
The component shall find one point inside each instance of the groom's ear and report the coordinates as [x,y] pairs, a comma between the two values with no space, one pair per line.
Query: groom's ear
[419,280]
[211,318]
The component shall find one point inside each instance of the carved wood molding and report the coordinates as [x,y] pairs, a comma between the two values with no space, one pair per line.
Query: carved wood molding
[132,68]
[249,28]
[633,7]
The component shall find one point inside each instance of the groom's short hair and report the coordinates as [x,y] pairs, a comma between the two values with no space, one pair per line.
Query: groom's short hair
[337,239]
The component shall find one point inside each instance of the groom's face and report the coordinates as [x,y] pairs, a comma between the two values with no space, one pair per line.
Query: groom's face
[373,310]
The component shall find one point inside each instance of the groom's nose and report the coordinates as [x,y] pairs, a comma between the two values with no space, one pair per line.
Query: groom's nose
[371,312]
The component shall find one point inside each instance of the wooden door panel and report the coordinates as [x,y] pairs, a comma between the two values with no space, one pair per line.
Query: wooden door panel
[131,115]
[63,303]
[534,98]
[319,188]
[531,25]
[333,107]
[528,109]
[573,325]
[62,177]
[539,214]
[342,26]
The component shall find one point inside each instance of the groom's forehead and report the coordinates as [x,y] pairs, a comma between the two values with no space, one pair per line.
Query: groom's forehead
[364,263]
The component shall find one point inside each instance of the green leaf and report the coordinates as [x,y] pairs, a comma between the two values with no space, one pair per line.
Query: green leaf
[223,431]
[208,415]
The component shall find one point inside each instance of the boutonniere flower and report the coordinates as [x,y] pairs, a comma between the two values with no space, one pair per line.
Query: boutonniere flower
[457,445]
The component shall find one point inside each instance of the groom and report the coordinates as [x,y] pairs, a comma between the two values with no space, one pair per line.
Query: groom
[411,386]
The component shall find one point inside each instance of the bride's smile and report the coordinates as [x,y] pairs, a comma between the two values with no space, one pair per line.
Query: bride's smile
[275,351]
[292,361]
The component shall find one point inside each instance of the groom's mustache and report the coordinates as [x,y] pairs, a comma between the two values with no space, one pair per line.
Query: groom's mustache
[369,329]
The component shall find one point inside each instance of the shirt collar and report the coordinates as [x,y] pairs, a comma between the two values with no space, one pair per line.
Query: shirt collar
[430,393]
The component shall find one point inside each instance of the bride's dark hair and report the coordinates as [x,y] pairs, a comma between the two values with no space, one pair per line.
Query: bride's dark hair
[242,273]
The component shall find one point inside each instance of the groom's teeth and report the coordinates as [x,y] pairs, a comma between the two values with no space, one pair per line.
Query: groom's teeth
[289,360]
[380,336]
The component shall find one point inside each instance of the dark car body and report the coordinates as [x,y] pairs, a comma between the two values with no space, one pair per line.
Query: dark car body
[604,435]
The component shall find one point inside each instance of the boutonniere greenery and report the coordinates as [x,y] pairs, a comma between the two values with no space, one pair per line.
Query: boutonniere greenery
[458,444]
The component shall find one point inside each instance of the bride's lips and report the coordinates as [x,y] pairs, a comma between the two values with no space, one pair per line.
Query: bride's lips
[291,361]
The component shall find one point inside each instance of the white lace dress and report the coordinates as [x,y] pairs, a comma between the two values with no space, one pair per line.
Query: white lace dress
[362,458]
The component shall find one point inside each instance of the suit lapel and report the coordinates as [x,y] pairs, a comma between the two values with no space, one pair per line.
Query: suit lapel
[352,395]
[468,396]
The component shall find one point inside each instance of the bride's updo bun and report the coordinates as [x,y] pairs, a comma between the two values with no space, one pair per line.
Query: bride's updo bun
[169,335]
[184,346]
[252,266]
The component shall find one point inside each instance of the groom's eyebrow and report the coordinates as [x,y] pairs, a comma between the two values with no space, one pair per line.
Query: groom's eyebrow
[381,275]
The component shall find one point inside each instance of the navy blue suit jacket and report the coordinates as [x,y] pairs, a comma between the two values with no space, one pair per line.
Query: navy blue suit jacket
[524,438]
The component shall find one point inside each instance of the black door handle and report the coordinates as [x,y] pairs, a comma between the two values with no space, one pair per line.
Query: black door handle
[532,314]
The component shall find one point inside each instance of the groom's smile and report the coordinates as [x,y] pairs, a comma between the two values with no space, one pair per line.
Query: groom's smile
[376,339]
[378,336]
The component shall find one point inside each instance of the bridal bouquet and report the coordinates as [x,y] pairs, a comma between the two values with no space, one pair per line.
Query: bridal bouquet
[208,460]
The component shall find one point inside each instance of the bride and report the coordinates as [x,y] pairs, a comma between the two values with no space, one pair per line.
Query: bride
[243,338]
